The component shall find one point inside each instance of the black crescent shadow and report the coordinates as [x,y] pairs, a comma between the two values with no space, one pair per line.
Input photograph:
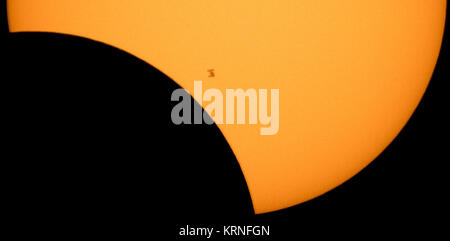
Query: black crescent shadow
[95,121]
[403,189]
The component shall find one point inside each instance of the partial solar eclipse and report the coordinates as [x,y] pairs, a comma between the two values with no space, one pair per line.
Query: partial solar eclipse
[350,73]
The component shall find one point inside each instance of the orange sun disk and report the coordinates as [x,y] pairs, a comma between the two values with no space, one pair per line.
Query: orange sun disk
[350,72]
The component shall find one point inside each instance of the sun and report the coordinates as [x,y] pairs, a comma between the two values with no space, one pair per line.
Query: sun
[350,73]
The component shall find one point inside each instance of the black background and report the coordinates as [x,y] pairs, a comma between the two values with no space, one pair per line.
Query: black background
[89,150]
